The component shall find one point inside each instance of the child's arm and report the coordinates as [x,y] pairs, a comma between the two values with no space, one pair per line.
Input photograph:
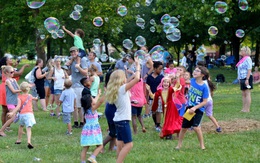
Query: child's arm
[150,92]
[78,59]
[137,76]
[67,31]
[194,108]
[14,111]
[96,104]
[11,87]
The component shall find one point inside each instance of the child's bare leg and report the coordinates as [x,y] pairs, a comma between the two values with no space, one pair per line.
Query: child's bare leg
[20,134]
[140,118]
[124,151]
[43,104]
[120,145]
[97,150]
[29,134]
[7,124]
[112,144]
[181,136]
[35,104]
[158,118]
[200,136]
[69,127]
[213,119]
[83,153]
[134,124]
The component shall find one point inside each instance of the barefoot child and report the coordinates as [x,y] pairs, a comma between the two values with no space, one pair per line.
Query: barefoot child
[12,90]
[68,101]
[26,113]
[198,95]
[91,134]
[118,94]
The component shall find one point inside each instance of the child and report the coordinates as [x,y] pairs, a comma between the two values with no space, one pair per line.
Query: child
[137,101]
[87,84]
[26,113]
[118,94]
[78,36]
[12,90]
[91,134]
[198,95]
[186,77]
[209,105]
[95,80]
[68,101]
[171,69]
[172,120]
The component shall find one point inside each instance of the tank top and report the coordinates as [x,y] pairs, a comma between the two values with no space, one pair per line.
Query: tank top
[11,98]
[94,86]
[60,76]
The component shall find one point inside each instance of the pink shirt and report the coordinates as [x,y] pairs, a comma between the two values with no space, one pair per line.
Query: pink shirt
[28,107]
[137,95]
[170,71]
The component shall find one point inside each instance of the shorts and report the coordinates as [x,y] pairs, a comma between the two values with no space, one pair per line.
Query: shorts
[66,117]
[47,83]
[194,122]
[27,120]
[112,129]
[136,110]
[209,108]
[10,107]
[78,91]
[243,85]
[57,91]
[123,131]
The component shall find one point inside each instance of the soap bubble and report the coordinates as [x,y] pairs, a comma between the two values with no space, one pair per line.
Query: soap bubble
[137,4]
[128,44]
[98,21]
[97,42]
[174,21]
[140,41]
[173,34]
[213,31]
[75,15]
[60,33]
[226,19]
[152,29]
[165,18]
[166,27]
[104,57]
[243,5]
[42,37]
[223,57]
[140,22]
[54,35]
[106,19]
[51,24]
[122,10]
[240,33]
[156,53]
[34,4]
[78,8]
[152,22]
[221,7]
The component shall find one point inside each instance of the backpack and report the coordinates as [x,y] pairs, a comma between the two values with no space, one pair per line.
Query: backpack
[30,76]
[220,78]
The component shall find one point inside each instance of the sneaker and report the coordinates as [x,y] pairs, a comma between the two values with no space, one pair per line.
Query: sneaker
[158,129]
[52,114]
[68,133]
[90,159]
[8,129]
[146,116]
[219,129]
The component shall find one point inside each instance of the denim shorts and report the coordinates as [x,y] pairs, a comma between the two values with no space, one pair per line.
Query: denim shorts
[112,130]
[123,131]
[57,91]
[66,117]
[136,110]
[27,120]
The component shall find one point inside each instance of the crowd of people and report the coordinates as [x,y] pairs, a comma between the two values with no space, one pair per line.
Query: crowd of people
[169,95]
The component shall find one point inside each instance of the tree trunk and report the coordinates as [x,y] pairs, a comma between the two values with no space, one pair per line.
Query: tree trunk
[257,50]
[40,48]
[236,47]
[106,48]
[48,48]
[222,49]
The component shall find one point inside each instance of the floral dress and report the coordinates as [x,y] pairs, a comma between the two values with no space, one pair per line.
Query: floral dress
[91,133]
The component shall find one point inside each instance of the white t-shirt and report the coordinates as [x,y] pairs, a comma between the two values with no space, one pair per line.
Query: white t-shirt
[60,76]
[123,105]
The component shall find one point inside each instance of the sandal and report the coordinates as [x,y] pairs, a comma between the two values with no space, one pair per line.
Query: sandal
[30,146]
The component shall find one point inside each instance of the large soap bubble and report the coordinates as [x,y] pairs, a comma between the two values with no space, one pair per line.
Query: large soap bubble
[156,53]
[97,42]
[165,18]
[98,21]
[240,33]
[243,5]
[140,41]
[128,44]
[60,33]
[52,24]
[173,34]
[140,22]
[174,21]
[104,57]
[34,4]
[122,10]
[75,15]
[221,7]
[213,31]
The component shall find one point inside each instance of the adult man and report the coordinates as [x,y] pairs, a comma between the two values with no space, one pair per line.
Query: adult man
[77,72]
[91,58]
[122,63]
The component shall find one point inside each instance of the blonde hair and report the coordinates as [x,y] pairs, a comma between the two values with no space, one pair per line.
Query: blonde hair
[6,68]
[116,80]
[25,87]
[247,50]
[93,68]
[67,83]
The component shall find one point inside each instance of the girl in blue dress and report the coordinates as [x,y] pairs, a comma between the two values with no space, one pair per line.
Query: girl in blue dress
[91,134]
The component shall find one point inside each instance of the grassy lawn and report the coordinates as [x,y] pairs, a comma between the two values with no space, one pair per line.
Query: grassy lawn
[232,145]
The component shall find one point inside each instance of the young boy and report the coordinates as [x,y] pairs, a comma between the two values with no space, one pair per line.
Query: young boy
[86,82]
[153,80]
[68,101]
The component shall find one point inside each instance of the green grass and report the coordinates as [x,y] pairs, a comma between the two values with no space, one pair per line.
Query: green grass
[52,145]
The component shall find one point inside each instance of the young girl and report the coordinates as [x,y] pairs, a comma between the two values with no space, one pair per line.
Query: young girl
[171,69]
[91,133]
[209,105]
[117,93]
[172,120]
[198,95]
[95,80]
[26,113]
[12,90]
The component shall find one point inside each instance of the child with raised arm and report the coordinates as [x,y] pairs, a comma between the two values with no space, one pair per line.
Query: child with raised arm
[91,134]
[198,97]
[77,36]
[118,94]
[12,90]
[68,101]
[26,114]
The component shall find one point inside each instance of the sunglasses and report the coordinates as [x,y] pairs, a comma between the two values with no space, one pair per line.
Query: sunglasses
[11,72]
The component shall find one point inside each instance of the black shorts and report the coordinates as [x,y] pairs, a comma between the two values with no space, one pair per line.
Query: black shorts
[243,85]
[194,122]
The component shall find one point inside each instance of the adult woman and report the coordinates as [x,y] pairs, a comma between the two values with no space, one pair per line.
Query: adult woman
[245,77]
[49,97]
[8,60]
[58,75]
[256,76]
[39,82]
